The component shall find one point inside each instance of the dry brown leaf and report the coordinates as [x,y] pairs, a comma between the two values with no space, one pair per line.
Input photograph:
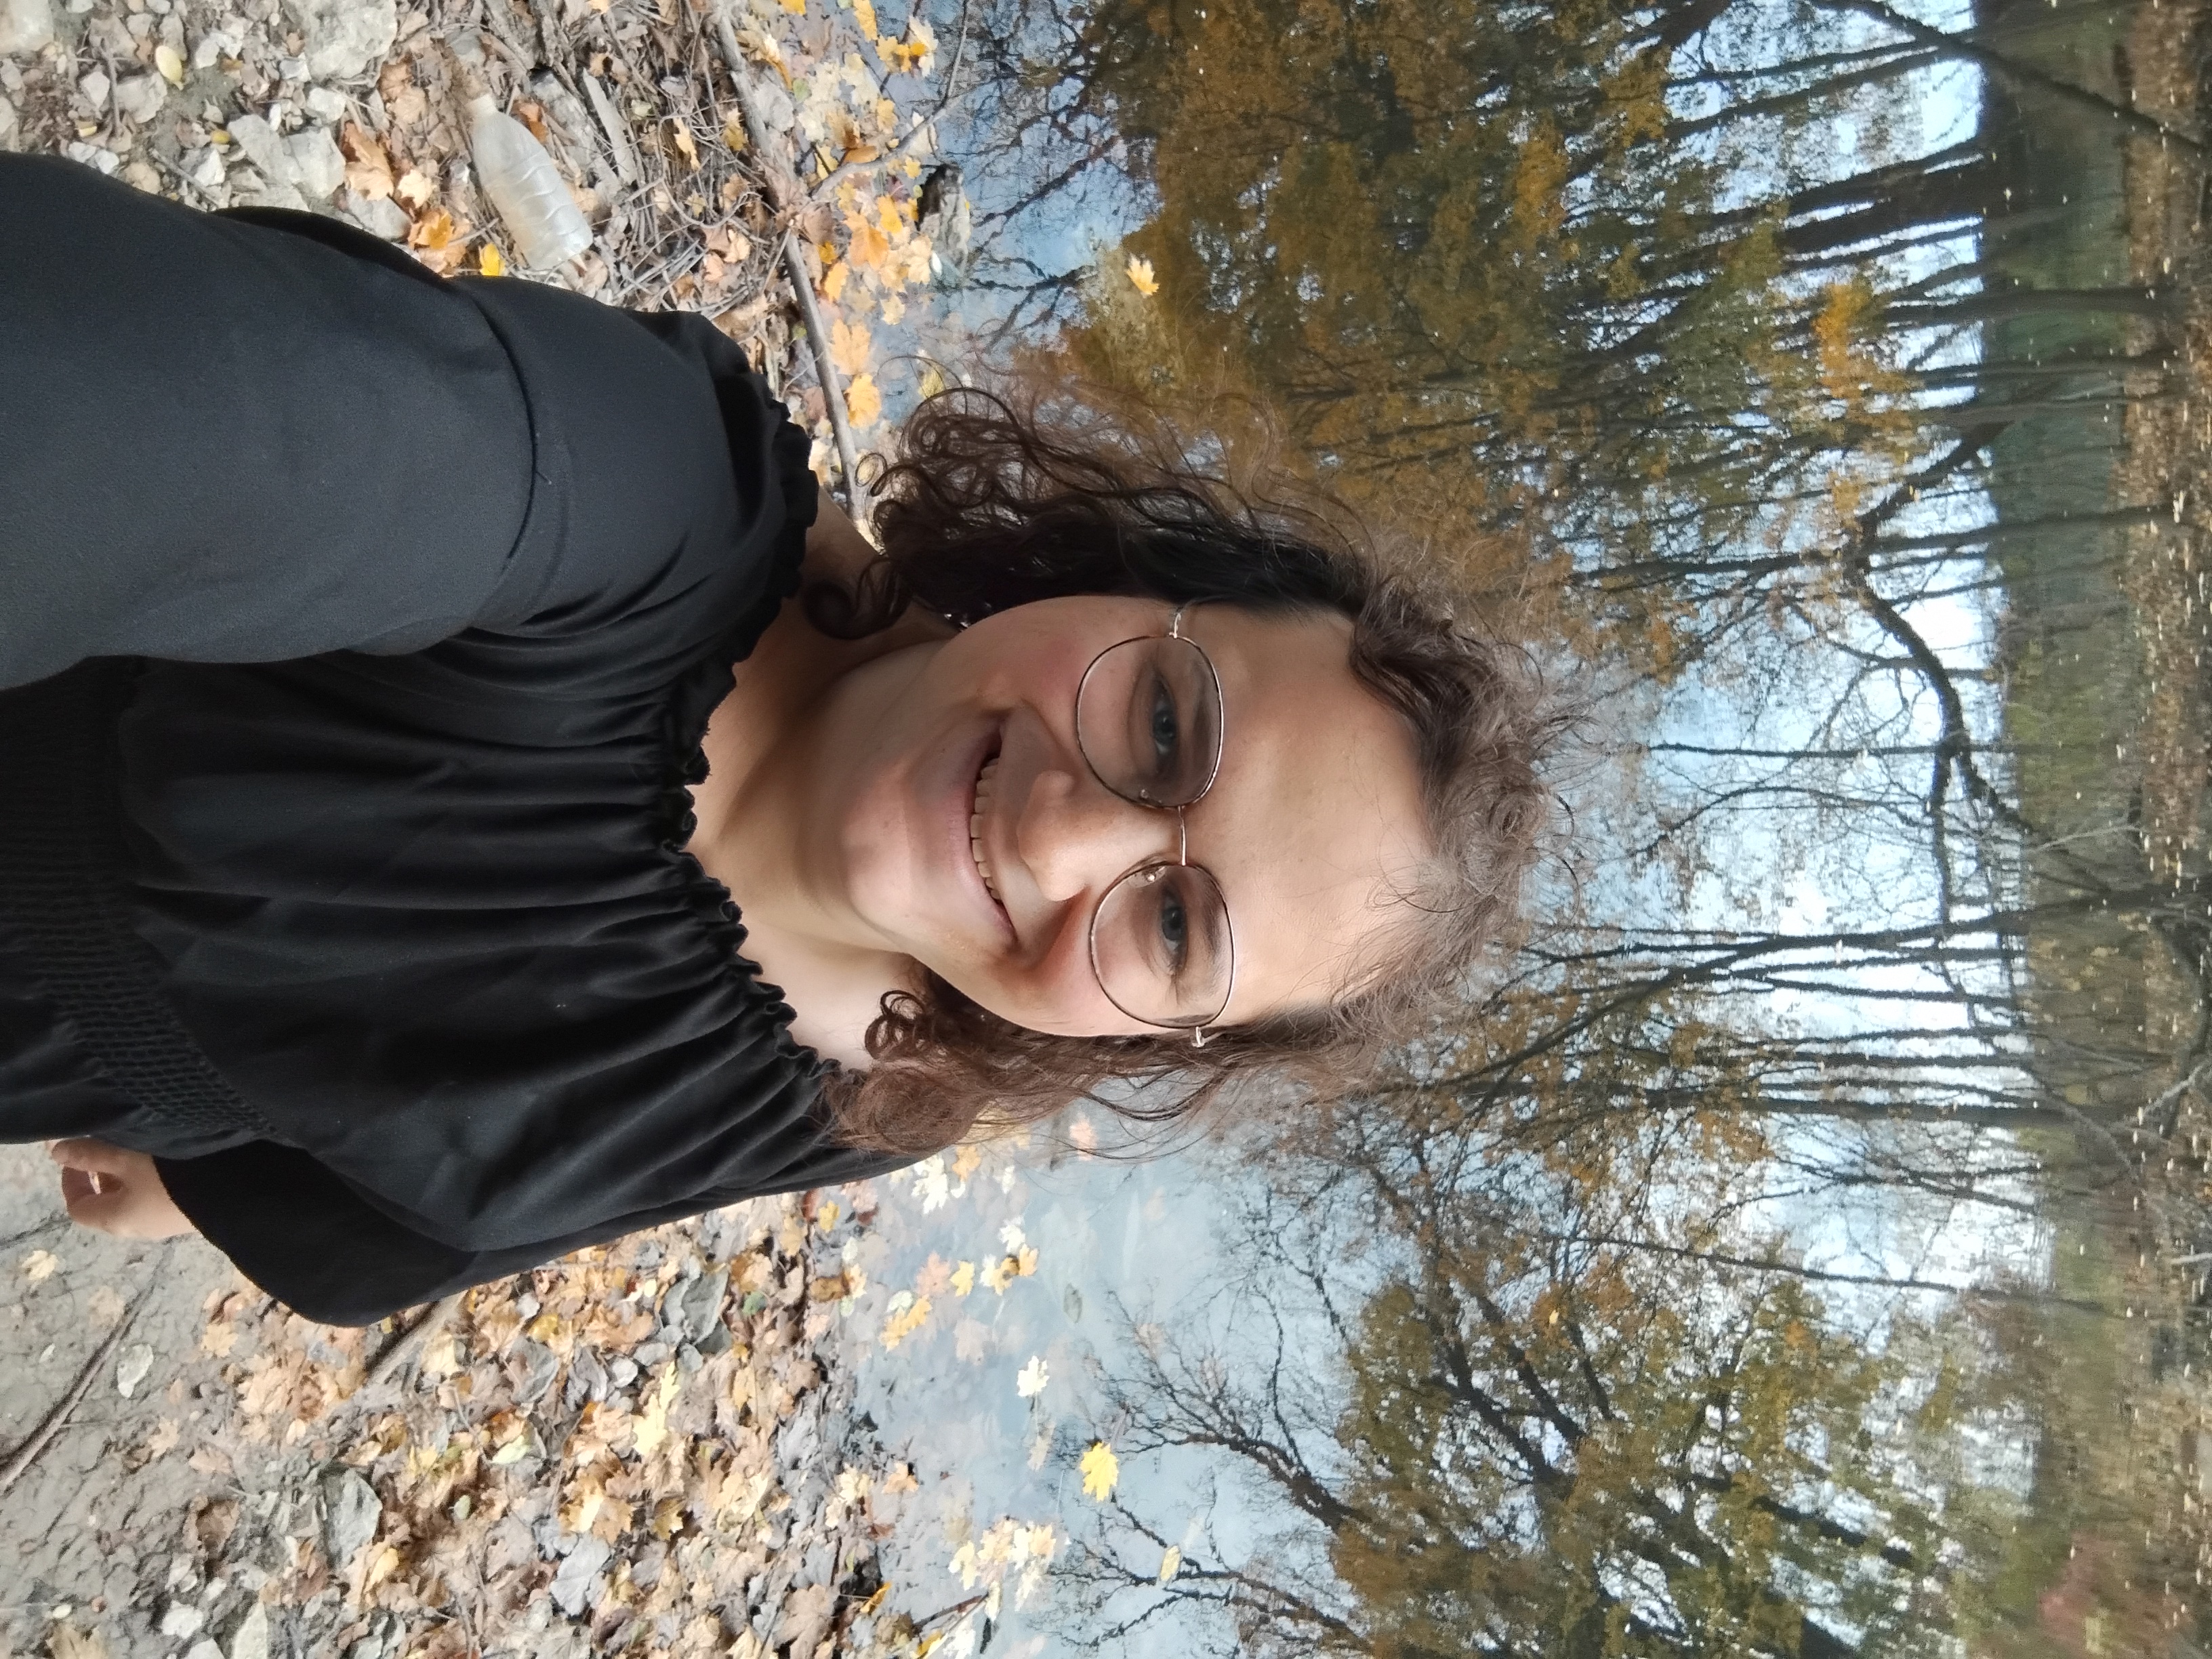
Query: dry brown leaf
[40,1265]
[66,1641]
[369,168]
[415,189]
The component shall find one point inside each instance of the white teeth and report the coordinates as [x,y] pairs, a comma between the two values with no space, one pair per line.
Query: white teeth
[975,828]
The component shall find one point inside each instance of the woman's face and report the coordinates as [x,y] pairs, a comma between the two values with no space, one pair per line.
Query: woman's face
[1311,823]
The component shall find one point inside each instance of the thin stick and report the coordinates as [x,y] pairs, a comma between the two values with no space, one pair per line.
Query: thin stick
[408,1345]
[772,181]
[52,1424]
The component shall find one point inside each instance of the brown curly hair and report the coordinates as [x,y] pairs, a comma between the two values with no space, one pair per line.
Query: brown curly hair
[991,504]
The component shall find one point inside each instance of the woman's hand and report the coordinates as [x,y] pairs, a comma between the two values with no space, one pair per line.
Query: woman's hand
[116,1191]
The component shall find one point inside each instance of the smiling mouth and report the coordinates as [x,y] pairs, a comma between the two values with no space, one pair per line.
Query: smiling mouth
[983,782]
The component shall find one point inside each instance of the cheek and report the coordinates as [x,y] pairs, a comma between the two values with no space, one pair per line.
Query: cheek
[1057,993]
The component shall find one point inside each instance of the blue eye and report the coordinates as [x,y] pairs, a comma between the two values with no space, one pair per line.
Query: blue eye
[1175,928]
[1166,732]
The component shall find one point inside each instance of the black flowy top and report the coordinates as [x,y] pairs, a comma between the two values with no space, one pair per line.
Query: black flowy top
[362,628]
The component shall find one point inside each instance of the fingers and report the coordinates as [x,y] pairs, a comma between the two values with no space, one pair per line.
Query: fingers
[97,1156]
[105,1209]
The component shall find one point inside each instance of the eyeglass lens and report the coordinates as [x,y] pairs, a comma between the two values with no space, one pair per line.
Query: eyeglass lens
[1148,718]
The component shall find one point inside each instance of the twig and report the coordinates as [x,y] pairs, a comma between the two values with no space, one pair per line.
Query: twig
[780,189]
[409,1344]
[625,160]
[52,1424]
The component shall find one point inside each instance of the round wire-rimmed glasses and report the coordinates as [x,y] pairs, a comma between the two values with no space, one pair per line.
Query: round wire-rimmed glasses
[1148,719]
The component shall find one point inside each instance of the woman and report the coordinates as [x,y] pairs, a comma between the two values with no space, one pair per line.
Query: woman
[405,680]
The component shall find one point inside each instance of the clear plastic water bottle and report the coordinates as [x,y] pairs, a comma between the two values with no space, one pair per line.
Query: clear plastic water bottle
[514,169]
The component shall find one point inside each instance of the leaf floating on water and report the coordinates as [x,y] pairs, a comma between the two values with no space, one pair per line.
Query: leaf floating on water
[864,402]
[1101,1469]
[1170,1563]
[1140,275]
[849,346]
[1031,1381]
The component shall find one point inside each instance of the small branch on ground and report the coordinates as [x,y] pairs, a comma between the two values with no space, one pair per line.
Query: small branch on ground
[784,191]
[408,1347]
[55,1420]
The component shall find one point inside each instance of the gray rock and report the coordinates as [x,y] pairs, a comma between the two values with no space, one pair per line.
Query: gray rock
[263,147]
[204,167]
[98,159]
[7,117]
[342,38]
[95,86]
[216,43]
[25,26]
[351,1510]
[326,104]
[386,1639]
[250,1639]
[181,1620]
[379,216]
[572,1585]
[318,164]
[204,1649]
[131,1370]
[140,97]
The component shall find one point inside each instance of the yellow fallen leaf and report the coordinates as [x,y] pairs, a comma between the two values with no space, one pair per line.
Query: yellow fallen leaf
[964,1279]
[1140,275]
[488,261]
[415,189]
[901,1479]
[870,248]
[933,382]
[1170,1563]
[40,1265]
[848,350]
[905,1321]
[219,1339]
[796,8]
[686,145]
[864,13]
[1101,1469]
[864,404]
[386,1563]
[171,62]
[652,1430]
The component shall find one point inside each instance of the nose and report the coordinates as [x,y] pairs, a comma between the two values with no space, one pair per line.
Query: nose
[1074,835]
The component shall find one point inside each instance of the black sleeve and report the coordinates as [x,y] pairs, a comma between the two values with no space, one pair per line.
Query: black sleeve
[257,437]
[221,442]
[311,1241]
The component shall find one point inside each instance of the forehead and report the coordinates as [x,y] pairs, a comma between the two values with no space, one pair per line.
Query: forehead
[1314,822]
